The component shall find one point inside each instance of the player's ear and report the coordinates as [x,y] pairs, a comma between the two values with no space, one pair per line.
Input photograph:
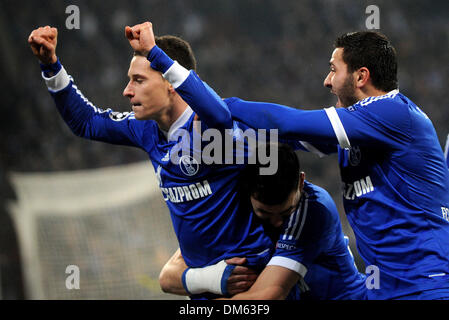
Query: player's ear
[170,88]
[361,77]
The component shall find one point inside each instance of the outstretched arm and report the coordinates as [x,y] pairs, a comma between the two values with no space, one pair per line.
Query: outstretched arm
[381,120]
[210,107]
[292,124]
[177,278]
[82,117]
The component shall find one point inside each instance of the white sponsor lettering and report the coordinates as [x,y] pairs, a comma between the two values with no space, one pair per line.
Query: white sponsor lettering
[358,188]
[445,212]
[187,193]
[285,246]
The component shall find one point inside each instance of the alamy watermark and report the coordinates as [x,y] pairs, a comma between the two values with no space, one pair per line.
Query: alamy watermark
[73,20]
[372,272]
[373,20]
[372,277]
[73,280]
[227,146]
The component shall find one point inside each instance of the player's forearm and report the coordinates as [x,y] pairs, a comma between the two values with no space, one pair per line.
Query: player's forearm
[71,106]
[292,124]
[170,278]
[72,112]
[177,278]
[267,293]
[201,98]
[171,282]
[274,283]
[81,116]
[271,285]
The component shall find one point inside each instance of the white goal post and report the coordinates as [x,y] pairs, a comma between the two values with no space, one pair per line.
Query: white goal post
[111,223]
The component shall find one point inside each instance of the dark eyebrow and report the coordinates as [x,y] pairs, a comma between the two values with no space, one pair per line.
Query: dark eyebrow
[138,75]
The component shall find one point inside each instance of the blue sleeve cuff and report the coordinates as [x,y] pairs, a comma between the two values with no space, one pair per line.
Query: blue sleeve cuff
[52,69]
[224,279]
[160,61]
[183,278]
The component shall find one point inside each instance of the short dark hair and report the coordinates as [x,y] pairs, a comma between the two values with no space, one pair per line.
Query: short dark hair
[178,49]
[374,51]
[273,189]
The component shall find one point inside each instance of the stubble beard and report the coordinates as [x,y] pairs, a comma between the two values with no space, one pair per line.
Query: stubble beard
[346,95]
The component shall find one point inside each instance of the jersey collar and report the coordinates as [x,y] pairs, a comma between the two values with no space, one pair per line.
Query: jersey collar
[389,94]
[183,118]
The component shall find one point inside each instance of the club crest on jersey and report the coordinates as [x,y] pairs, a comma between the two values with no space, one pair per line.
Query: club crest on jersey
[354,156]
[188,165]
[118,116]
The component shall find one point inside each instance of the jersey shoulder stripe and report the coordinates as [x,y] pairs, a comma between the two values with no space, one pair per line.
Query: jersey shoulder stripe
[62,80]
[312,149]
[297,220]
[338,127]
[369,100]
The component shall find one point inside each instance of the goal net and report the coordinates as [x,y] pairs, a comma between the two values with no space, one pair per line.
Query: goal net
[110,223]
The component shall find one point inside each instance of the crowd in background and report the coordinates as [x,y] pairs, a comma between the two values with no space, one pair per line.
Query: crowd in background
[269,50]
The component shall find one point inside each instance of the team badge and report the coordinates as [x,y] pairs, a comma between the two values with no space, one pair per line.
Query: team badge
[354,156]
[188,165]
[119,116]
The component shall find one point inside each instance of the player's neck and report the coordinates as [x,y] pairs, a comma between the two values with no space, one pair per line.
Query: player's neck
[171,114]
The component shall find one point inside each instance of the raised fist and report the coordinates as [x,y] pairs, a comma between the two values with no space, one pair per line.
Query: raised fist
[43,44]
[141,37]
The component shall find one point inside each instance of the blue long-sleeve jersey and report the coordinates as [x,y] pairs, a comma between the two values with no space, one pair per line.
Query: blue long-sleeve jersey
[210,219]
[394,177]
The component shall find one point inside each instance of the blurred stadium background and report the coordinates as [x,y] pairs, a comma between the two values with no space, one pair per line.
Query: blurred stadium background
[267,50]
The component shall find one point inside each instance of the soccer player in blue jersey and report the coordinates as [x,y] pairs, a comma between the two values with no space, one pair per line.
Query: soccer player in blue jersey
[392,166]
[209,220]
[311,248]
[393,170]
